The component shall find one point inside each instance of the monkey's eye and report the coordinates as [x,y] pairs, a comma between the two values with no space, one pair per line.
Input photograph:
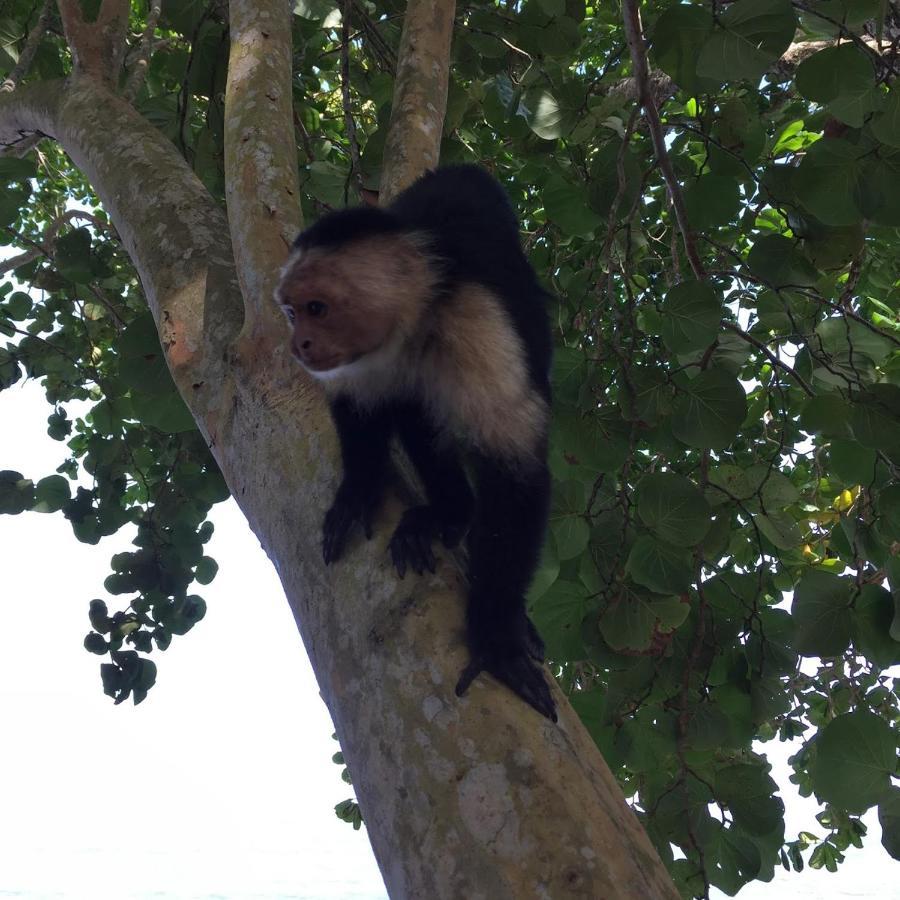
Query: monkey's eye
[316,308]
[289,312]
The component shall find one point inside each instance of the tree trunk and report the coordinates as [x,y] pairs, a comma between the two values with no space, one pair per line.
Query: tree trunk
[473,797]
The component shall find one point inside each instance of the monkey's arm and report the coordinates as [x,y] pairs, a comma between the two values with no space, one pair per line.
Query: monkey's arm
[450,499]
[365,437]
[504,546]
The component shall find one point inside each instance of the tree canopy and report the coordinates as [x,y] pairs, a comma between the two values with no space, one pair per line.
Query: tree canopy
[717,219]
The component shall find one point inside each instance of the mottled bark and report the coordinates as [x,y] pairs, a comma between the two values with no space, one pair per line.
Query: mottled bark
[420,94]
[260,160]
[98,47]
[475,798]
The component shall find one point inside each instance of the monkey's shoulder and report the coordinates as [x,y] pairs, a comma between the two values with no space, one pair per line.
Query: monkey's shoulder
[475,379]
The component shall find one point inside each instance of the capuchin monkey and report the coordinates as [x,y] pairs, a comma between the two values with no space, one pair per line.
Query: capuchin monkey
[424,320]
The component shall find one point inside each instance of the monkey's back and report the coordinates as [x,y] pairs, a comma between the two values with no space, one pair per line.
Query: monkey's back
[476,235]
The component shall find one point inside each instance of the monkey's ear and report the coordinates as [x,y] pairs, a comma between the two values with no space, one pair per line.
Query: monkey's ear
[369,198]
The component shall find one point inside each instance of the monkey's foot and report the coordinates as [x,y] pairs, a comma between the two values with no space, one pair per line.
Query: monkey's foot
[515,666]
[411,544]
[350,507]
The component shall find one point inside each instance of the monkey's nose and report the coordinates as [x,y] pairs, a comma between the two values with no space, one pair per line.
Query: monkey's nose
[306,345]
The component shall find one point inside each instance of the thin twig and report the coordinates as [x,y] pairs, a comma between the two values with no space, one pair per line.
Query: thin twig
[27,55]
[139,69]
[350,125]
[637,47]
[772,357]
[48,239]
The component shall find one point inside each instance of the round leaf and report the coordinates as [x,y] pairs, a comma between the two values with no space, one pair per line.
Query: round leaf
[659,567]
[692,314]
[855,756]
[674,508]
[710,411]
[821,609]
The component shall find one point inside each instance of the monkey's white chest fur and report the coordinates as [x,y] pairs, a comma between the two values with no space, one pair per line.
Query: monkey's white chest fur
[468,370]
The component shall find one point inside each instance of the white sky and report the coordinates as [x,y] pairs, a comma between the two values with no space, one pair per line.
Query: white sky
[219,785]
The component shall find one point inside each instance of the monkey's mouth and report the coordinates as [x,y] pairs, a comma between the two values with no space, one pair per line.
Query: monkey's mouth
[322,366]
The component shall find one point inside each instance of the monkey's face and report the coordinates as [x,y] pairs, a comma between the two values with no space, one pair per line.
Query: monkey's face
[343,304]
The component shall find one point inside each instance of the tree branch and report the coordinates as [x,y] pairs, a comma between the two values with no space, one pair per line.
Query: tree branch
[139,67]
[349,124]
[48,239]
[261,188]
[413,142]
[638,50]
[99,46]
[772,357]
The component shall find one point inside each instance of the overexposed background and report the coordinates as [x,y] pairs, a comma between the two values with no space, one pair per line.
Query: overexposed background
[220,784]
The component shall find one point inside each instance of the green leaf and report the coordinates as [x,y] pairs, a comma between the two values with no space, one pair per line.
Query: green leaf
[753,34]
[711,201]
[558,615]
[822,612]
[12,201]
[889,512]
[18,307]
[875,417]
[18,169]
[851,462]
[855,756]
[651,398]
[778,262]
[206,570]
[828,181]
[659,567]
[16,493]
[678,38]
[73,255]
[886,125]
[834,71]
[889,820]
[674,508]
[739,861]
[604,187]
[873,614]
[52,493]
[553,7]
[567,208]
[142,366]
[567,519]
[749,792]
[692,314]
[167,412]
[708,728]
[546,117]
[779,528]
[569,373]
[828,415]
[628,623]
[710,410]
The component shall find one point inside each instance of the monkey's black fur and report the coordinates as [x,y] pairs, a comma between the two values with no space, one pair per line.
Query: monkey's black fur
[472,233]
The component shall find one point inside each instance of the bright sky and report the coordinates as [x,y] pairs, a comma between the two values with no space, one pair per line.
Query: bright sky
[221,783]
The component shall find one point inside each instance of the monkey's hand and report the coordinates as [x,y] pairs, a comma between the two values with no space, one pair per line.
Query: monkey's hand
[418,528]
[411,544]
[352,505]
[513,656]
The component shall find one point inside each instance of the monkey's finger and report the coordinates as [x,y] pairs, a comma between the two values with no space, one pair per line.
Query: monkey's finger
[428,554]
[533,643]
[469,674]
[532,688]
[420,553]
[398,557]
